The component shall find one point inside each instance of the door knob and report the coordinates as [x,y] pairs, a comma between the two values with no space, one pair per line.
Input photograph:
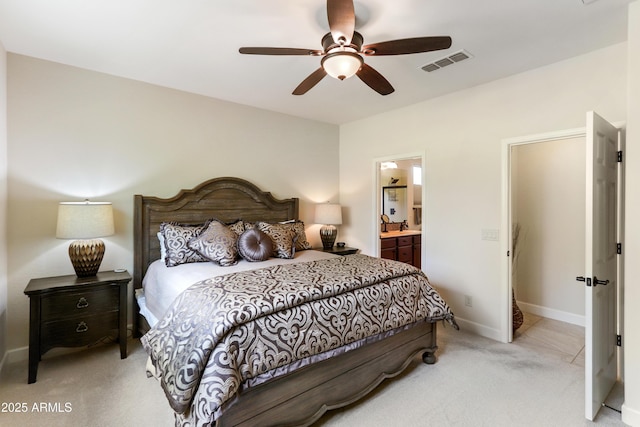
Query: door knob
[599,282]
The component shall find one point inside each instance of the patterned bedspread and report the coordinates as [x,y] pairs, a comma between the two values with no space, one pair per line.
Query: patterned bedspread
[225,331]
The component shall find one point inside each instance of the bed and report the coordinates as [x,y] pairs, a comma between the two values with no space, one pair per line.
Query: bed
[294,387]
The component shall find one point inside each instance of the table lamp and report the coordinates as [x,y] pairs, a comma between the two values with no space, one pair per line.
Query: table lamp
[85,221]
[329,215]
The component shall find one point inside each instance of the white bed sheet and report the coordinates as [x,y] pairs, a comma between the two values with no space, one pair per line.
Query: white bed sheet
[161,285]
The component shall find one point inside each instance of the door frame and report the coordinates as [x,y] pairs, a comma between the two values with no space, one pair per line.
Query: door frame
[506,330]
[377,199]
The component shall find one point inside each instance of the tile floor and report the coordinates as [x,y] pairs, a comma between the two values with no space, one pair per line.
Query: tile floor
[553,337]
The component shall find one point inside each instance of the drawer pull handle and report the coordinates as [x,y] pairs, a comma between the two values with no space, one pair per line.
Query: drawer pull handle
[82,327]
[82,303]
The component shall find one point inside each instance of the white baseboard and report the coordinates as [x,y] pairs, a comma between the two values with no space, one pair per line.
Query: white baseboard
[18,354]
[478,329]
[551,313]
[630,416]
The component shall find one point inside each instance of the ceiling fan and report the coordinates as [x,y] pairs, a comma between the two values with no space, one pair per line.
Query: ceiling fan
[342,50]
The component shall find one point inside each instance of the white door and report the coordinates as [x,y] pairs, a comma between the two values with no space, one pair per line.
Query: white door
[600,263]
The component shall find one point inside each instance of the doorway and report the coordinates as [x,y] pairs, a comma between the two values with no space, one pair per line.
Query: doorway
[548,228]
[603,181]
[513,207]
[400,195]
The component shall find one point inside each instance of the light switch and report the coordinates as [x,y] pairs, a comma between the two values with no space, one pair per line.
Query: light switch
[490,234]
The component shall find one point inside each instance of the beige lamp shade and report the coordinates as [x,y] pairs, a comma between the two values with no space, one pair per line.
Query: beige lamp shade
[330,215]
[86,221]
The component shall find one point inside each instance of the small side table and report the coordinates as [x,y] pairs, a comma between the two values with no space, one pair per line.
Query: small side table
[341,251]
[71,311]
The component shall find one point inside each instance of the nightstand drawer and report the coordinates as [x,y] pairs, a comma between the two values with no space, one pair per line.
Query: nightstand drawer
[78,331]
[71,304]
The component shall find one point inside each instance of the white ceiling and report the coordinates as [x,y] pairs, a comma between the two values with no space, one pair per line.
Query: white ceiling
[192,45]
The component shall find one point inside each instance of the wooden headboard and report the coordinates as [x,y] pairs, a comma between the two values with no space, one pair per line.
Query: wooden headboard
[227,199]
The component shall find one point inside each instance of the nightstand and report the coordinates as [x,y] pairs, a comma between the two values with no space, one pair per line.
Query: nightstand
[341,251]
[71,311]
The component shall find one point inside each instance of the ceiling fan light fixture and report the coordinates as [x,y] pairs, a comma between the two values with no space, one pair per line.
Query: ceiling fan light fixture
[342,64]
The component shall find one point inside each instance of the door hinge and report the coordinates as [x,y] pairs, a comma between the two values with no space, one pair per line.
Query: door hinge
[619,156]
[619,340]
[619,248]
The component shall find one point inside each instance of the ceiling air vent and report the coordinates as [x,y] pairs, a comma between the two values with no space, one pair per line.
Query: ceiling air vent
[458,56]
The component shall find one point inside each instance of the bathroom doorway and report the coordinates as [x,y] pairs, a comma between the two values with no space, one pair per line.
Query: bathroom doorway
[400,192]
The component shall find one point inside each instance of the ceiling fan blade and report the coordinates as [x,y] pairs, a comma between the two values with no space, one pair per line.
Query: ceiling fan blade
[406,46]
[342,20]
[313,79]
[375,80]
[279,51]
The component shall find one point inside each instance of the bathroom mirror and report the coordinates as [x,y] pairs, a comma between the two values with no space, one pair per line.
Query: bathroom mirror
[394,203]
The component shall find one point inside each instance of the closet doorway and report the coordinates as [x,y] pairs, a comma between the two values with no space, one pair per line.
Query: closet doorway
[548,228]
[600,278]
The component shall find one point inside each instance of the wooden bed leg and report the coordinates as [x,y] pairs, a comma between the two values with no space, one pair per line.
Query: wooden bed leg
[429,357]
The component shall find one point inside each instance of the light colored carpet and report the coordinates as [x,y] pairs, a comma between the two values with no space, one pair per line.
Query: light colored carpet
[103,390]
[476,382]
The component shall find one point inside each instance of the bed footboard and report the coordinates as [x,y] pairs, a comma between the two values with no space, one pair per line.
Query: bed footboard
[300,398]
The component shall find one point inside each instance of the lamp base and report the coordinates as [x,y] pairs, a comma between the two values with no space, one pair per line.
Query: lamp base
[328,234]
[86,256]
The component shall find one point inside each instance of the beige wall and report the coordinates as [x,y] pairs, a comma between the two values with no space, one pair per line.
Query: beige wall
[75,134]
[548,201]
[66,118]
[3,203]
[631,339]
[461,137]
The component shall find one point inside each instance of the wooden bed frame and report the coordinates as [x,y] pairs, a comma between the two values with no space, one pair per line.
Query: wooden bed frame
[299,398]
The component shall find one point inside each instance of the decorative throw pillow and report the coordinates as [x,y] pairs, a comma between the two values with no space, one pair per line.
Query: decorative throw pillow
[283,238]
[176,239]
[217,243]
[301,236]
[255,245]
[237,227]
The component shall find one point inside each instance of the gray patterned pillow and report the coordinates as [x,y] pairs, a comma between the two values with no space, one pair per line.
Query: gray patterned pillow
[176,238]
[255,245]
[284,239]
[237,227]
[301,236]
[217,243]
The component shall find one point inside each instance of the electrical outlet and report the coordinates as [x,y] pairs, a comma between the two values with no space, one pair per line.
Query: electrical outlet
[468,301]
